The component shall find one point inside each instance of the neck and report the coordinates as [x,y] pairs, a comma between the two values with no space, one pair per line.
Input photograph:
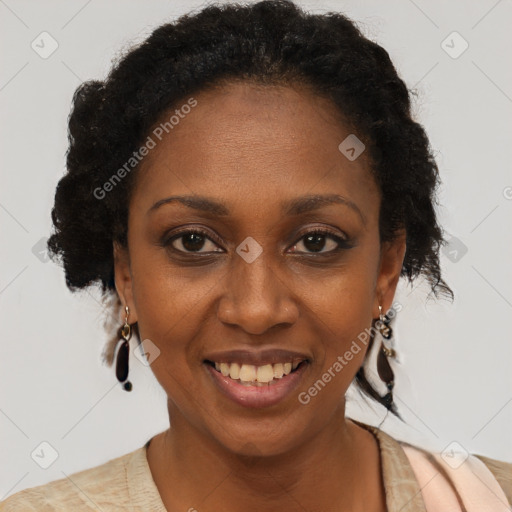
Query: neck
[193,470]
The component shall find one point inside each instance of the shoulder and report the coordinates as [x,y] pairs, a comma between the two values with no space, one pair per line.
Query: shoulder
[90,489]
[502,471]
[408,467]
[472,476]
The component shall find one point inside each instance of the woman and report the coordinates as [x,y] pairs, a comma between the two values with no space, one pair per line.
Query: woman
[249,185]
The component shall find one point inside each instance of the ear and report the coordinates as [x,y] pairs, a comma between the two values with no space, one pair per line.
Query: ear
[123,280]
[392,255]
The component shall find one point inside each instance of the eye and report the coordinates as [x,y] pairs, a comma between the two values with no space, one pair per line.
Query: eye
[315,241]
[192,240]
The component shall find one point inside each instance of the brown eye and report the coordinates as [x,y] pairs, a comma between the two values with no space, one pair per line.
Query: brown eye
[192,241]
[316,241]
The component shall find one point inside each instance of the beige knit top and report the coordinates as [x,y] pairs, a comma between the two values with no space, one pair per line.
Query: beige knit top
[126,484]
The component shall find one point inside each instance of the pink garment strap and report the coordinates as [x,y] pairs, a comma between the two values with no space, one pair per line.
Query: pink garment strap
[476,485]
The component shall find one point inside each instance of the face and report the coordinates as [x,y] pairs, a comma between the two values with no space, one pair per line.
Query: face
[262,275]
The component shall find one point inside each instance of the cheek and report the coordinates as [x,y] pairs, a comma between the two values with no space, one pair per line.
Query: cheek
[173,313]
[342,313]
[169,305]
[344,319]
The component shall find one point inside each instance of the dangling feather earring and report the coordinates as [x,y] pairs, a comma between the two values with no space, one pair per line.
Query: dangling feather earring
[123,354]
[383,380]
[383,367]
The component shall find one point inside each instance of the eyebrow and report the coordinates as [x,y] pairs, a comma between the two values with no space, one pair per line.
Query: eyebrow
[291,207]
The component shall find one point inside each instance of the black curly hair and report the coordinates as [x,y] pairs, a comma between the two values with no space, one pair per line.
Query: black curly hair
[269,42]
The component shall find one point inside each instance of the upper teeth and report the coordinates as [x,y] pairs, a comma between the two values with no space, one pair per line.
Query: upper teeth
[252,373]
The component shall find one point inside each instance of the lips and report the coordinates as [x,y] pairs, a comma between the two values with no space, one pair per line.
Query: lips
[256,378]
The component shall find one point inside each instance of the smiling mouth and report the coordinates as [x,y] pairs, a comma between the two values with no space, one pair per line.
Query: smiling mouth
[252,375]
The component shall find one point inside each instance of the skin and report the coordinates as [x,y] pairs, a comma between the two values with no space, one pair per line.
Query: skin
[251,148]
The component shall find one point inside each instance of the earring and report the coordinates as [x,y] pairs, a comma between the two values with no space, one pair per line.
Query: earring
[386,332]
[383,367]
[123,354]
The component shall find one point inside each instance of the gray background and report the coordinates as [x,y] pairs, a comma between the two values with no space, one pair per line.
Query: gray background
[455,382]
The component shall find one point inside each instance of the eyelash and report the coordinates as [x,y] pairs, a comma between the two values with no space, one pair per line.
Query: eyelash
[342,243]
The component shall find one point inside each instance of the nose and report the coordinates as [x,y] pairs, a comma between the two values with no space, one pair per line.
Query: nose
[256,298]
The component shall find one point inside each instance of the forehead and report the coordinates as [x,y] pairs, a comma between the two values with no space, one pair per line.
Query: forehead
[243,141]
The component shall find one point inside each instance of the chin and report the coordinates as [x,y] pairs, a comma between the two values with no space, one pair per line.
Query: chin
[267,437]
